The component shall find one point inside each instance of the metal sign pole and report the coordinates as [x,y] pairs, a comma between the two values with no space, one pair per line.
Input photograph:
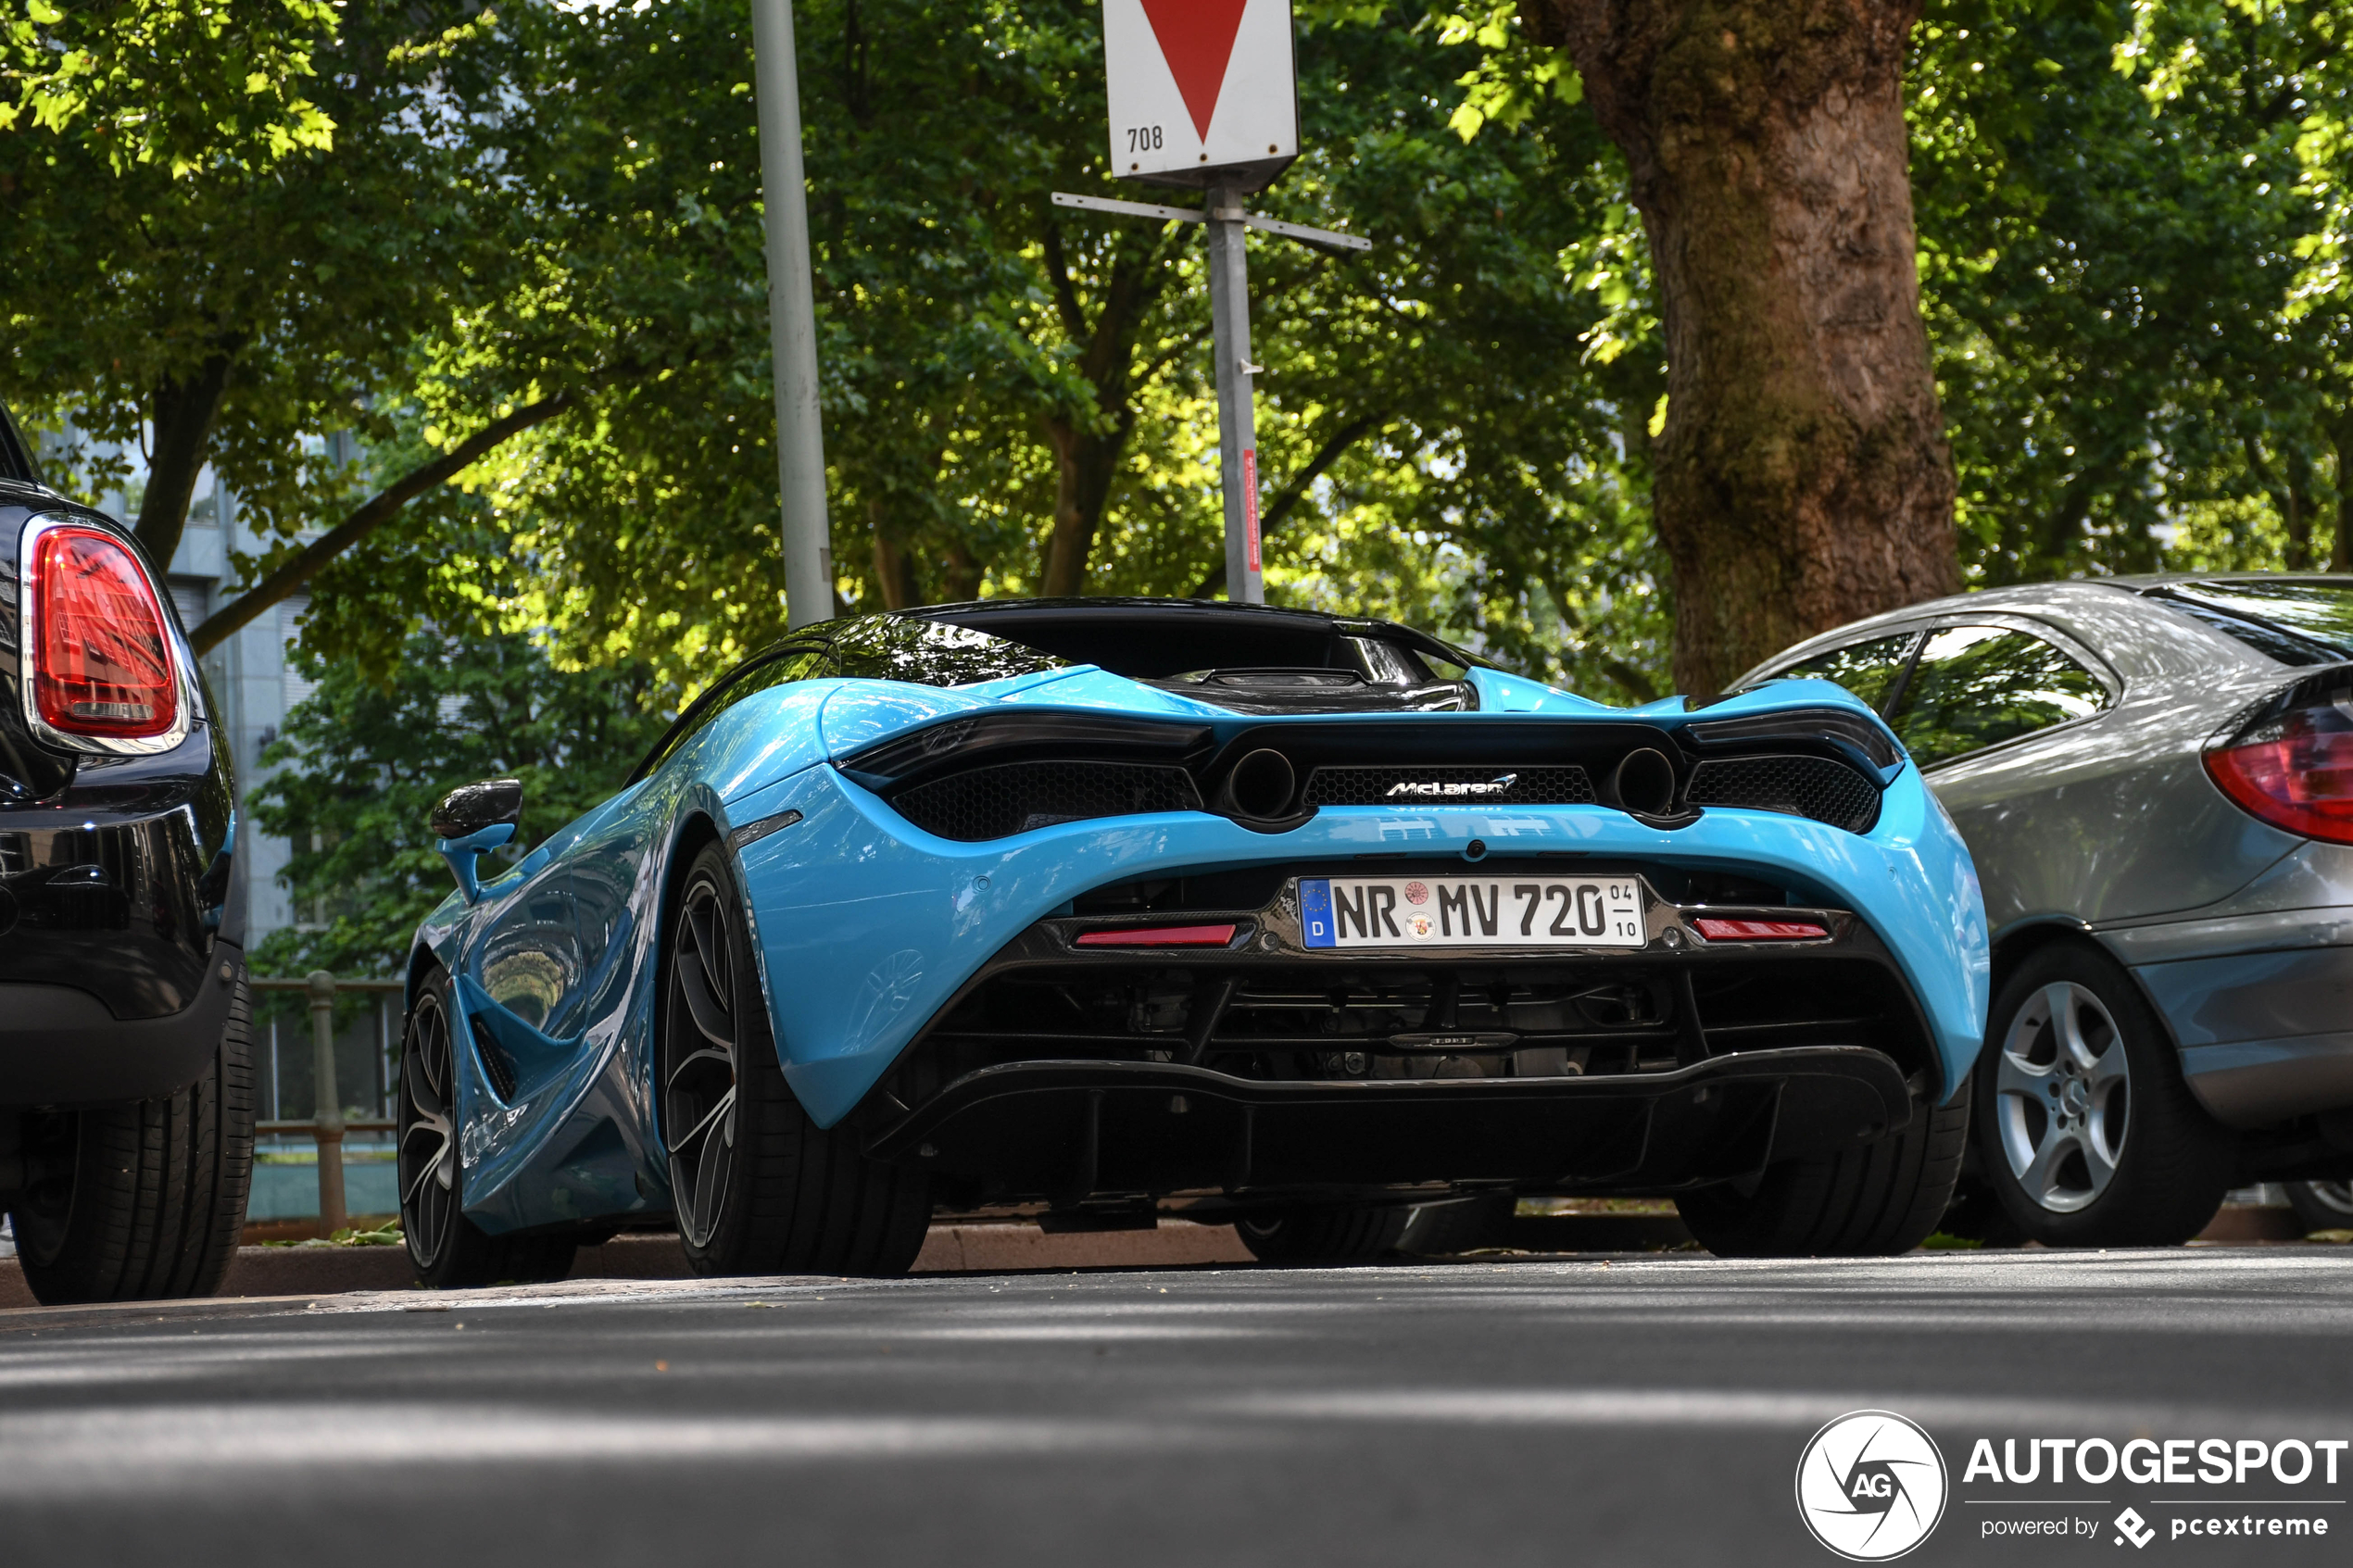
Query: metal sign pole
[1236,406]
[792,320]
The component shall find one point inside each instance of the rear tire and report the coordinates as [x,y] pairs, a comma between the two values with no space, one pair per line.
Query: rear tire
[2086,1132]
[1460,1226]
[451,1252]
[143,1202]
[759,1187]
[1322,1236]
[1883,1197]
[1975,1214]
[2322,1206]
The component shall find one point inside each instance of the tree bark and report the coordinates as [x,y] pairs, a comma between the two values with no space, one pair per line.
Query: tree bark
[183,414]
[1803,478]
[224,623]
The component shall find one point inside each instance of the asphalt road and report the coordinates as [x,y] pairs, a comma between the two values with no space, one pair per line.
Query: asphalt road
[1633,1410]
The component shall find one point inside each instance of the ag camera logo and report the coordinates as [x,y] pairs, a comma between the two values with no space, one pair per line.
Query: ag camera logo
[1870,1485]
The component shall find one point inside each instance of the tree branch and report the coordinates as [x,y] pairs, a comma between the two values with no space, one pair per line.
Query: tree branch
[1073,318]
[240,611]
[1295,490]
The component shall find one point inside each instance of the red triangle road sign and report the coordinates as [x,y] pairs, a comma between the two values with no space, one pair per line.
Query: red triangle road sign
[1197,40]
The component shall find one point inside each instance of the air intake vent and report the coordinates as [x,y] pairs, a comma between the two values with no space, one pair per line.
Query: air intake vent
[1022,796]
[495,1064]
[1395,785]
[1803,786]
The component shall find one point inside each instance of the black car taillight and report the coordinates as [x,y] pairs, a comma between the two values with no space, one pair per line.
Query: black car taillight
[101,661]
[2292,763]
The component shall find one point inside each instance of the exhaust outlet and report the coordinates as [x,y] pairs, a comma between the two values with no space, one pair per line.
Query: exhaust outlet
[1261,785]
[1645,783]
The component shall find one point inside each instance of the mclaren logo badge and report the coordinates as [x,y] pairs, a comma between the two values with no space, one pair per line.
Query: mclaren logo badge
[1496,785]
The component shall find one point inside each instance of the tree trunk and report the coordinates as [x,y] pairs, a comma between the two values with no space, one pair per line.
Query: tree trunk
[2301,510]
[2291,495]
[2341,438]
[184,413]
[959,574]
[894,564]
[1086,449]
[1803,478]
[1085,464]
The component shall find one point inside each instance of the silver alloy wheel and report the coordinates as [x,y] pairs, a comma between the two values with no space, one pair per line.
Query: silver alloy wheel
[699,1060]
[426,1157]
[2062,1089]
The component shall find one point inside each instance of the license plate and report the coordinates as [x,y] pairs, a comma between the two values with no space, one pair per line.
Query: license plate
[1471,911]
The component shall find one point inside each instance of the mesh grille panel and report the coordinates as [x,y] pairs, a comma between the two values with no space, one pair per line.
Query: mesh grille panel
[494,1064]
[1455,786]
[1019,796]
[1803,786]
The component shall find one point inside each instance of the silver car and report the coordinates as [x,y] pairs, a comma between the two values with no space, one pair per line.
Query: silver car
[2156,777]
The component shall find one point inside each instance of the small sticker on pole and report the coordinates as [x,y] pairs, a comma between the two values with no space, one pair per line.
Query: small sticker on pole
[1200,89]
[1250,505]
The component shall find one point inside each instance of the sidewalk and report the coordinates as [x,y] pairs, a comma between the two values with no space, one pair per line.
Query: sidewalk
[314,1271]
[1006,1247]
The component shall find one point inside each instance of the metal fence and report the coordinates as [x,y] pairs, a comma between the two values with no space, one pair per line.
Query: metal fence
[327,1124]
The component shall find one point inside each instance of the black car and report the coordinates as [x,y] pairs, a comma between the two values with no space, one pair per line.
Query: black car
[126,1058]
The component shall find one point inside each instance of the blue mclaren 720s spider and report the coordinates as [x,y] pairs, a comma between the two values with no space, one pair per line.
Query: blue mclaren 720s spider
[1108,910]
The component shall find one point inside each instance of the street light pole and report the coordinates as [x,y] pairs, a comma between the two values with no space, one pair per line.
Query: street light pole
[792,320]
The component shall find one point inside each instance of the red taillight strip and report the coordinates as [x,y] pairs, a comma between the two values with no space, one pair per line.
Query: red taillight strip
[1160,937]
[1759,930]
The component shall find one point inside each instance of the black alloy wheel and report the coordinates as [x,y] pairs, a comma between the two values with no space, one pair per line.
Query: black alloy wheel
[699,1037]
[425,1159]
[757,1186]
[451,1252]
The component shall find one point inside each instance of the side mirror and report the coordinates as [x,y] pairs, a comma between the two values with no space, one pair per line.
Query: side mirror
[469,808]
[474,818]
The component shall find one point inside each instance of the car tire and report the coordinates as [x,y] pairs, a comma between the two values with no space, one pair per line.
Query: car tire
[1880,1197]
[2087,1132]
[757,1186]
[142,1201]
[450,1251]
[2321,1206]
[1322,1236]
[1976,1214]
[1457,1227]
